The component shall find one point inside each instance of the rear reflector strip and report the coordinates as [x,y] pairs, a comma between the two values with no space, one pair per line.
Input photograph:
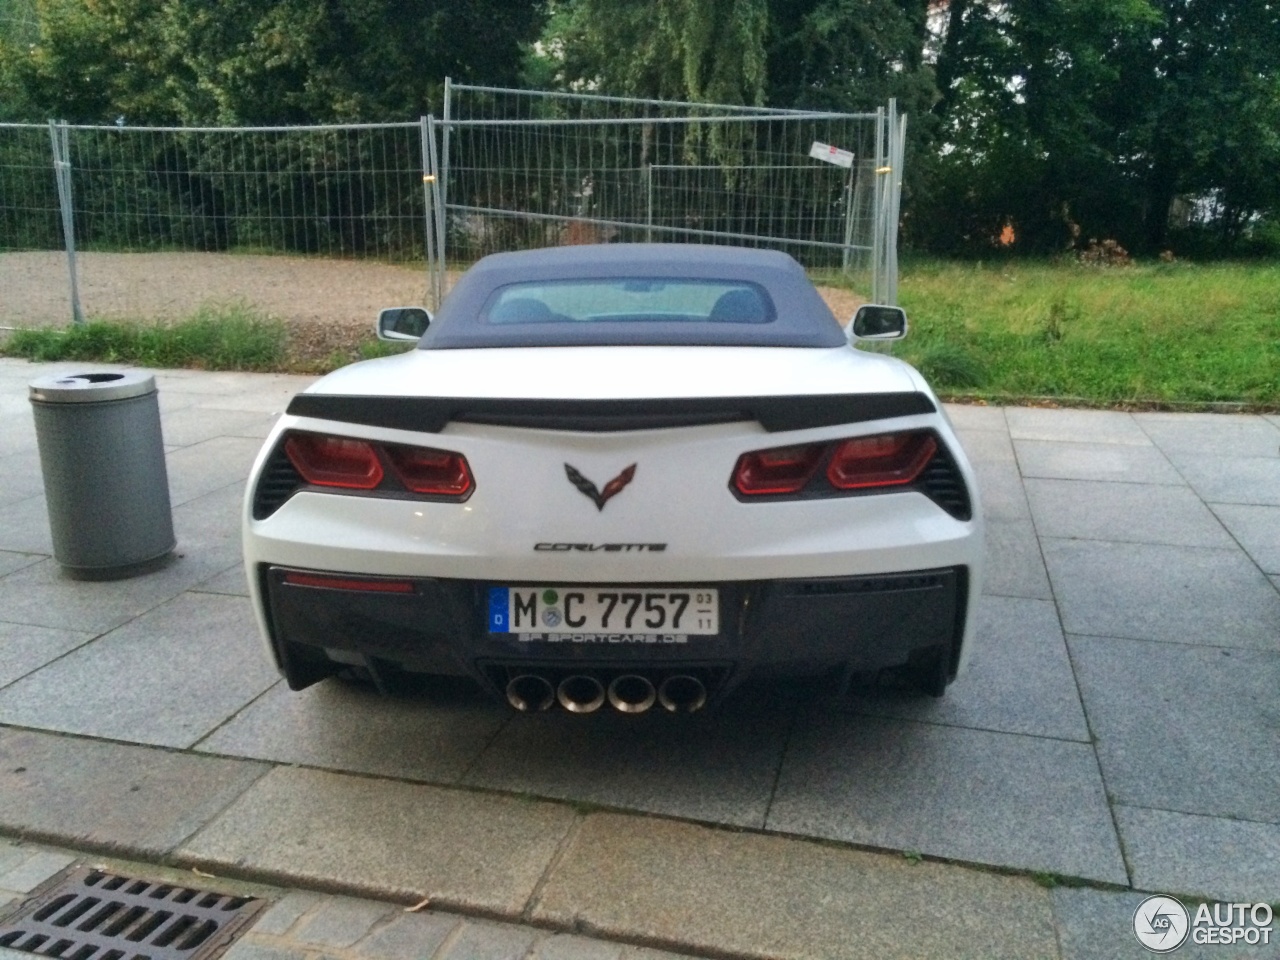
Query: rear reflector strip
[348,583]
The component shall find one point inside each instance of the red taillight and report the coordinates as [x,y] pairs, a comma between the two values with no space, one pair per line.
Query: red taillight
[434,472]
[348,583]
[884,461]
[781,470]
[334,461]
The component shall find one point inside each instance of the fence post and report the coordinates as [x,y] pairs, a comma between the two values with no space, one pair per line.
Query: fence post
[648,203]
[877,227]
[897,158]
[437,212]
[443,189]
[428,213]
[62,176]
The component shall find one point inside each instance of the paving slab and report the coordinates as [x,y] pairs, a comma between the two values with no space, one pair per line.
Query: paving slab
[718,766]
[569,947]
[38,867]
[232,582]
[351,727]
[208,535]
[1215,857]
[1113,462]
[1160,592]
[969,416]
[1014,566]
[1257,529]
[167,678]
[986,446]
[208,466]
[1098,925]
[490,941]
[1212,435]
[24,526]
[1075,426]
[383,838]
[284,914]
[409,936]
[20,475]
[761,896]
[1231,479]
[1019,679]
[1181,727]
[10,561]
[1123,512]
[1001,492]
[24,648]
[12,855]
[138,800]
[196,423]
[338,922]
[992,798]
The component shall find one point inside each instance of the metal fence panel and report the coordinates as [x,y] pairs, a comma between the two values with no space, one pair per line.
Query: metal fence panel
[527,169]
[156,221]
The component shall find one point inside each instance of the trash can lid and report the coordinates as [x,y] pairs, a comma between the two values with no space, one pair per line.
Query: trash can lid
[92,387]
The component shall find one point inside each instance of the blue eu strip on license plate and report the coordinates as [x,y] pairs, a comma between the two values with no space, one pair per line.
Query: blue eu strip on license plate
[499,598]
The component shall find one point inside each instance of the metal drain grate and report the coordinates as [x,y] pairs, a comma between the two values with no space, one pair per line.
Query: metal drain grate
[90,914]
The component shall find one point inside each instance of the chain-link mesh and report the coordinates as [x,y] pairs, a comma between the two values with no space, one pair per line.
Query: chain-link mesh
[528,169]
[210,207]
[333,191]
[29,211]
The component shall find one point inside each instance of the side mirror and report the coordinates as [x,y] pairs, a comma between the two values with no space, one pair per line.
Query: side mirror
[402,323]
[875,321]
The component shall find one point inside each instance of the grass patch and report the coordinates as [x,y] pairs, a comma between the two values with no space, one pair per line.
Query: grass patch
[1160,333]
[232,337]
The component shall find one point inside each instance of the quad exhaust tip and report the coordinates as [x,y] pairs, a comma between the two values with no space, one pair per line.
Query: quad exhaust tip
[632,693]
[530,693]
[682,693]
[580,693]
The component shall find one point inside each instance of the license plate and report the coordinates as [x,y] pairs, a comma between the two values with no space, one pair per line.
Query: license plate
[605,610]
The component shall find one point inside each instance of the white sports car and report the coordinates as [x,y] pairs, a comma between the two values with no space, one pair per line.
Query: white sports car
[630,475]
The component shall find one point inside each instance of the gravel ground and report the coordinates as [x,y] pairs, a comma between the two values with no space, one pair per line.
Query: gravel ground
[328,305]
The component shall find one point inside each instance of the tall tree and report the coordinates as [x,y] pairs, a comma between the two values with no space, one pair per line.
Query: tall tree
[697,50]
[261,61]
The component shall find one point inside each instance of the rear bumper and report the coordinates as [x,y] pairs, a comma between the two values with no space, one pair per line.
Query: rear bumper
[789,627]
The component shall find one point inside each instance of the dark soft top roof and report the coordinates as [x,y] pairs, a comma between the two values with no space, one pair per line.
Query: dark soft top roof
[803,320]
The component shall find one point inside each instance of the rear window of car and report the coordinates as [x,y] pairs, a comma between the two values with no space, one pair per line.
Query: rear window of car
[629,300]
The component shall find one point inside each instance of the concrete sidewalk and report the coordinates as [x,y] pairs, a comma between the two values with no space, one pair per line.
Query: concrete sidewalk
[1118,726]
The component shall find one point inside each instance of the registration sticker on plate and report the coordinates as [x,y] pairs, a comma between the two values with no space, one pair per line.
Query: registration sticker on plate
[582,611]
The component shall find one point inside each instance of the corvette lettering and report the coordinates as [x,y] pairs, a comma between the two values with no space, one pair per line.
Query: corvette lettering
[605,547]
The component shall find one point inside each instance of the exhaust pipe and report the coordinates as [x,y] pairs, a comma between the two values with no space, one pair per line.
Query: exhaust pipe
[580,694]
[632,693]
[530,693]
[682,693]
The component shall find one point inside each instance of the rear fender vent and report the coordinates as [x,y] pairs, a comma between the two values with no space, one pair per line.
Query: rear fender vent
[276,484]
[91,914]
[942,483]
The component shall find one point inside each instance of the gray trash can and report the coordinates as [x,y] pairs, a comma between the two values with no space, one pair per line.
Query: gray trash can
[102,456]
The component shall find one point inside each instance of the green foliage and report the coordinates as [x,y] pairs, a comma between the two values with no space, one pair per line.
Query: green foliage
[1167,333]
[245,61]
[1133,120]
[697,50]
[214,338]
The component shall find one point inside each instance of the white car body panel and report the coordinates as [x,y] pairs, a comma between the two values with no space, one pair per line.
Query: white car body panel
[492,536]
